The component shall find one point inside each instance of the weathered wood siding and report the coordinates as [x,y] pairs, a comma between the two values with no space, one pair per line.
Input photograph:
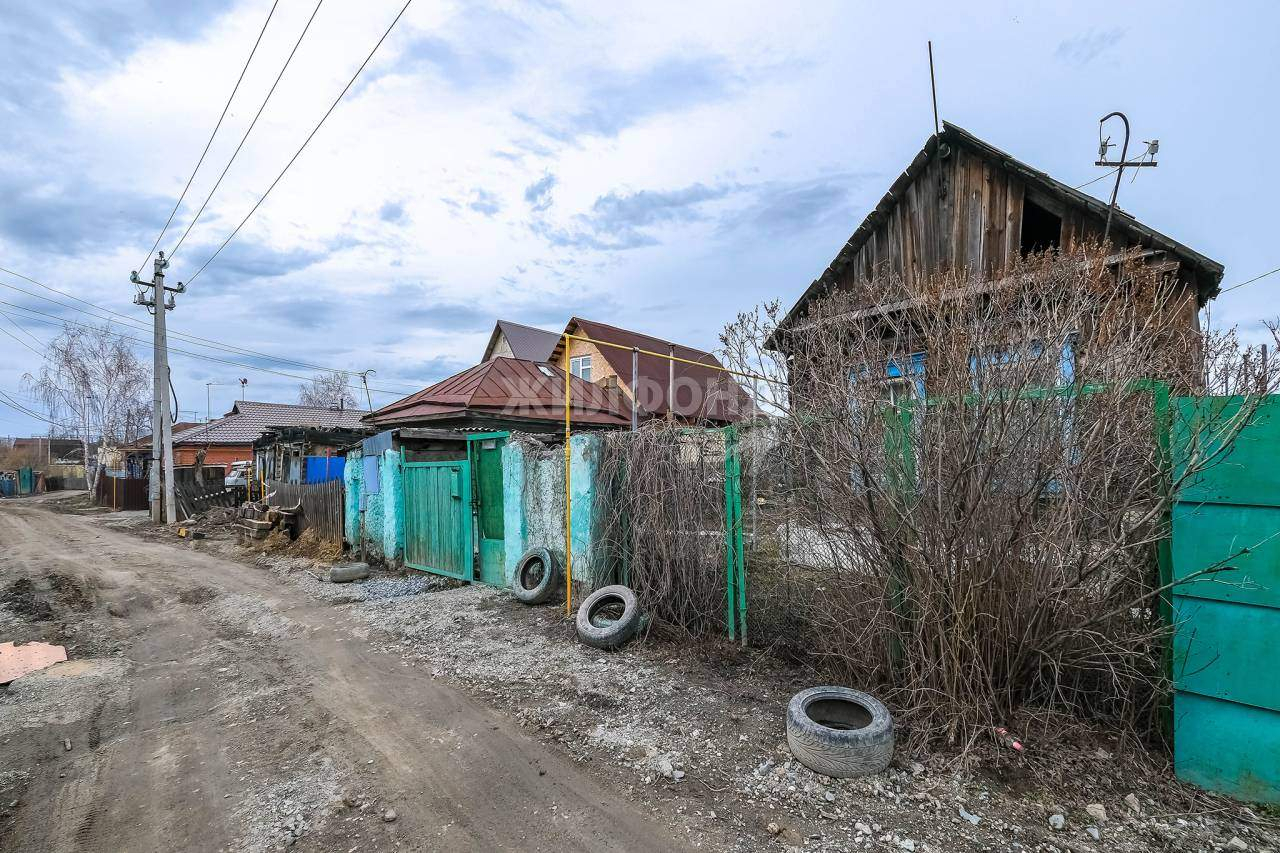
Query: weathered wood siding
[961,212]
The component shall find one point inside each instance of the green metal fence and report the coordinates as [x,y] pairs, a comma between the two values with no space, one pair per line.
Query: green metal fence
[1226,556]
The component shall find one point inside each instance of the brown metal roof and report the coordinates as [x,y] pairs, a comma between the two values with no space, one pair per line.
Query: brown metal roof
[714,395]
[527,342]
[509,387]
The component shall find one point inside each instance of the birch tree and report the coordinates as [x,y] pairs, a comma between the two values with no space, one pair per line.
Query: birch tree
[96,385]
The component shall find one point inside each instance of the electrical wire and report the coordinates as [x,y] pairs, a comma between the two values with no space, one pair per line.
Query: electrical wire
[311,135]
[1095,180]
[20,340]
[205,152]
[142,326]
[30,336]
[55,320]
[23,410]
[1250,281]
[248,130]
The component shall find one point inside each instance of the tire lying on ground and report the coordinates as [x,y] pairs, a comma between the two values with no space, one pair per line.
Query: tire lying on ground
[609,617]
[839,732]
[536,575]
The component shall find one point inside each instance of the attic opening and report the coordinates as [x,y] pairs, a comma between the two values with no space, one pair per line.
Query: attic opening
[1041,229]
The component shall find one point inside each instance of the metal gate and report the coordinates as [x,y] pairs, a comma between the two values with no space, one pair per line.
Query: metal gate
[437,517]
[1226,706]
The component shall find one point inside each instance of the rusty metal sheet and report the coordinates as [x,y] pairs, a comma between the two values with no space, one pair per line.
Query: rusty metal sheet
[17,661]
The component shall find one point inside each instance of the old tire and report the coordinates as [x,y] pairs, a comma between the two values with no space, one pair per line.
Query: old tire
[609,617]
[839,732]
[347,572]
[535,578]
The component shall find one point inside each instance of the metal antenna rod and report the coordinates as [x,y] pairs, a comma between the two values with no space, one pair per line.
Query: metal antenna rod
[933,86]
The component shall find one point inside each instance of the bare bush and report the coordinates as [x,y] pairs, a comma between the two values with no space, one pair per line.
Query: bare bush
[961,492]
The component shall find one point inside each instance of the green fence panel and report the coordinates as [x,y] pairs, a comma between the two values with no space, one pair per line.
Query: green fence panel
[1226,519]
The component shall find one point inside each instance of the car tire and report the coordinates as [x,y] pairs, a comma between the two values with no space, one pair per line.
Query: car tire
[609,617]
[839,732]
[536,576]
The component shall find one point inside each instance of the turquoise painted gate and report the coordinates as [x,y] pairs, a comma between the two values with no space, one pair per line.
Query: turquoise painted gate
[437,518]
[1226,706]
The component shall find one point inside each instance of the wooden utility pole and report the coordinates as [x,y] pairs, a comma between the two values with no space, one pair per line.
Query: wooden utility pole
[160,487]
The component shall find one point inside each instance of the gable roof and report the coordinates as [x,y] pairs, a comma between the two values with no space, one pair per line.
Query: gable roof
[248,419]
[526,342]
[1208,271]
[511,388]
[718,396]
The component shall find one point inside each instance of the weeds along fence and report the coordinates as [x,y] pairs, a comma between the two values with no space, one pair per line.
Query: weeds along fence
[322,505]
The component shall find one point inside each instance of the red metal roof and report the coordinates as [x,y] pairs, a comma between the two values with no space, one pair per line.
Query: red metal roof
[509,387]
[700,392]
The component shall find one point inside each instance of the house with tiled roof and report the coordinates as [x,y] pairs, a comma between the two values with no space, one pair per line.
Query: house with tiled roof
[230,438]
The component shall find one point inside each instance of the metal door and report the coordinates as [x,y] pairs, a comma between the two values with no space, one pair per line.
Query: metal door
[486,457]
[1226,705]
[437,518]
[26,481]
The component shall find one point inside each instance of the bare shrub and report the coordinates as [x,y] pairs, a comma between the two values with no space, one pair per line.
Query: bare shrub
[960,498]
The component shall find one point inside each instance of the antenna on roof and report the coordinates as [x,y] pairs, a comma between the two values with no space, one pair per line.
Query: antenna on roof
[1104,144]
[933,86]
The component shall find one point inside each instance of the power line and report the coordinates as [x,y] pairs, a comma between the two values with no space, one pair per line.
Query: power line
[1095,180]
[55,320]
[205,152]
[249,130]
[313,132]
[1250,281]
[20,340]
[193,339]
[23,410]
[30,336]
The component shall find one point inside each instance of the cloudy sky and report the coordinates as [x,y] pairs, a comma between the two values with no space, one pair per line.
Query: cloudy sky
[656,165]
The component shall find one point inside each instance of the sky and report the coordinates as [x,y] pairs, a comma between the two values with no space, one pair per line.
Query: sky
[658,166]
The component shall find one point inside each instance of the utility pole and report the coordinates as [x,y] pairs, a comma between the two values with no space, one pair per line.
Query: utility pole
[1153,147]
[161,420]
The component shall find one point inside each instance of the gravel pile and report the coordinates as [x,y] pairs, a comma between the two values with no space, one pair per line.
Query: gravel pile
[380,588]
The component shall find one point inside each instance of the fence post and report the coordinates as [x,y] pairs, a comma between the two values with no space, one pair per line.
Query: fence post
[900,459]
[1162,416]
[735,564]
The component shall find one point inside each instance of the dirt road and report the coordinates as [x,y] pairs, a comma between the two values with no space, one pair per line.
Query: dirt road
[211,708]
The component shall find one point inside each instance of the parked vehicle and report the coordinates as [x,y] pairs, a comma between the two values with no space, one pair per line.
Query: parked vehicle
[238,475]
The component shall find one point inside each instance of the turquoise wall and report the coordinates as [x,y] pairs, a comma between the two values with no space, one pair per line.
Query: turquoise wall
[533,501]
[392,507]
[352,478]
[383,532]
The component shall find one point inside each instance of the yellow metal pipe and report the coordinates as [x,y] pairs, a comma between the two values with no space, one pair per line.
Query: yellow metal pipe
[568,505]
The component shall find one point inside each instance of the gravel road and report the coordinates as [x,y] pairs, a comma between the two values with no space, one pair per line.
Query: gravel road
[208,707]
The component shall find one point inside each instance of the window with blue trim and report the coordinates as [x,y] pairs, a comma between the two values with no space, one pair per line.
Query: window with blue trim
[903,378]
[998,359]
